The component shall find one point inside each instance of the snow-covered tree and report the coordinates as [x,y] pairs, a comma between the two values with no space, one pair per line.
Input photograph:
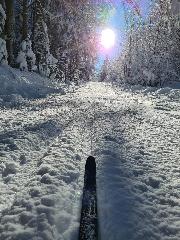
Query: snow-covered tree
[9,30]
[151,53]
[72,35]
[22,28]
[3,51]
[63,36]
[105,70]
[26,58]
[46,63]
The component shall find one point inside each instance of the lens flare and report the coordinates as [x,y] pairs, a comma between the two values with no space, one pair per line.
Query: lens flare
[108,38]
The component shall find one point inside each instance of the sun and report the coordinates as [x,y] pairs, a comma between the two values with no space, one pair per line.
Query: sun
[108,38]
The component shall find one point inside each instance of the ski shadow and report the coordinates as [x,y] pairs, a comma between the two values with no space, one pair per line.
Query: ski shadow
[115,191]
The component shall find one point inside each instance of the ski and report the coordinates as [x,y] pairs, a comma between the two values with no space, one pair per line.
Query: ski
[89,219]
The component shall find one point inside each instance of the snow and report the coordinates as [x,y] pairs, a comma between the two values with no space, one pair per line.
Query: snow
[26,58]
[46,68]
[21,59]
[134,134]
[24,84]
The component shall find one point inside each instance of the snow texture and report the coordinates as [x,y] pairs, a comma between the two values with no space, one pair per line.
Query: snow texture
[134,134]
[25,84]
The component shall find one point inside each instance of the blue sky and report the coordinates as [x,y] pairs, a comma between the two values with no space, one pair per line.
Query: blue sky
[117,23]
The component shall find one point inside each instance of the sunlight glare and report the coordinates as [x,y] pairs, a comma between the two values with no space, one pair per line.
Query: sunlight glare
[107,38]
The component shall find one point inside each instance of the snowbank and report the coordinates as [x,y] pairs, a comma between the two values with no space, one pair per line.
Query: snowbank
[26,84]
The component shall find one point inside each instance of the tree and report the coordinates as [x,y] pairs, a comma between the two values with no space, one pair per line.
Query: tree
[3,51]
[9,30]
[104,70]
[2,2]
[46,63]
[65,49]
[151,53]
[72,35]
[26,58]
[25,19]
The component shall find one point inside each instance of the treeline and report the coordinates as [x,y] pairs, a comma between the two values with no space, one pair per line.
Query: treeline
[56,38]
[151,55]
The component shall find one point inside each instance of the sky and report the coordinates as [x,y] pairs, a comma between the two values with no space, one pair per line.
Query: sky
[116,22]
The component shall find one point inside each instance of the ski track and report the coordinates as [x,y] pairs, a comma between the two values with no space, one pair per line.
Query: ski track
[135,137]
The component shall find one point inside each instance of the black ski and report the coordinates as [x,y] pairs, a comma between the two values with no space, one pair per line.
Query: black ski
[88,223]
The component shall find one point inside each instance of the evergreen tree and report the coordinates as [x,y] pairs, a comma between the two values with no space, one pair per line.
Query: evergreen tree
[151,54]
[3,51]
[26,58]
[46,63]
[104,70]
[2,2]
[9,30]
[72,34]
[25,19]
[65,49]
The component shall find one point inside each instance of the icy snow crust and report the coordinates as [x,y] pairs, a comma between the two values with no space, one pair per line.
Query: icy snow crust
[135,137]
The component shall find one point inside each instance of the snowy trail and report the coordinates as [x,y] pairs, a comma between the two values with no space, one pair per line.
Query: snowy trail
[135,138]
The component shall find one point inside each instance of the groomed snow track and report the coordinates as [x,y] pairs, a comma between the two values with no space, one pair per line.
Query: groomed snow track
[44,143]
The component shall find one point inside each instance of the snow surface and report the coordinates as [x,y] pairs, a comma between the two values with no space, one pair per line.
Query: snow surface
[134,134]
[26,84]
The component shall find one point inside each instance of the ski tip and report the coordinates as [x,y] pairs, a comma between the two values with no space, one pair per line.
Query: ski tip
[91,165]
[90,158]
